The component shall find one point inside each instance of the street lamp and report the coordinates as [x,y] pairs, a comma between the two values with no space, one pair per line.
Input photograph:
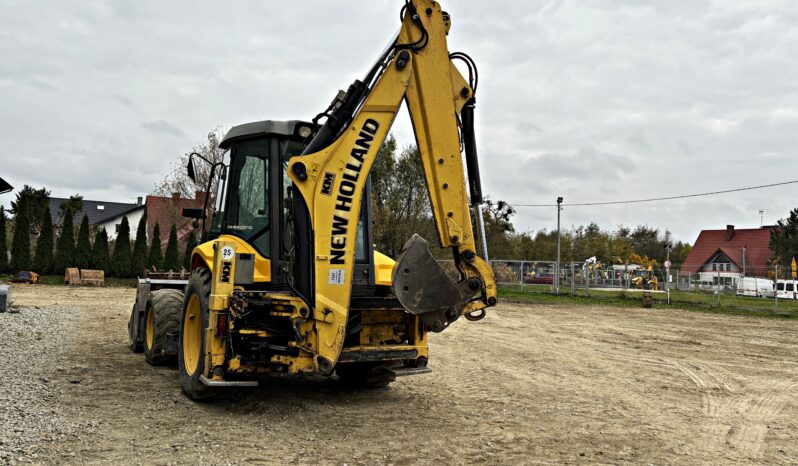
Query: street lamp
[557,267]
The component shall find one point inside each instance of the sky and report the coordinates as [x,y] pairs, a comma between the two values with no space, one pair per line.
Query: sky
[593,101]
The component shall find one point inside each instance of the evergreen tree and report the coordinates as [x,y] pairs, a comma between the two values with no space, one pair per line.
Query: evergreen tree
[155,258]
[43,260]
[171,259]
[3,245]
[191,243]
[20,246]
[83,249]
[99,251]
[121,263]
[65,247]
[140,247]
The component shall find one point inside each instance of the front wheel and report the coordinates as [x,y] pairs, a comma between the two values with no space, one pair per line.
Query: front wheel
[193,322]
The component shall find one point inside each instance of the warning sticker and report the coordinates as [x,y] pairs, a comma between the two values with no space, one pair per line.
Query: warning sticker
[337,277]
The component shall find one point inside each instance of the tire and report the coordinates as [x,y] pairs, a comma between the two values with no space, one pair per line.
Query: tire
[192,344]
[365,375]
[161,317]
[134,343]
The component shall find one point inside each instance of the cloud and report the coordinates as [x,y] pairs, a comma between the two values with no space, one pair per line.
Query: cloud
[163,127]
[589,100]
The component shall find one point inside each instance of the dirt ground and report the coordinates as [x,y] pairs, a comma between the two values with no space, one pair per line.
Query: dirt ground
[528,384]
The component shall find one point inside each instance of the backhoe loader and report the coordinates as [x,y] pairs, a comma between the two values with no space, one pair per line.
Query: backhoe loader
[287,281]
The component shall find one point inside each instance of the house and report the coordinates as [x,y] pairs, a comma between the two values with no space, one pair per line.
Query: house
[102,214]
[168,211]
[725,255]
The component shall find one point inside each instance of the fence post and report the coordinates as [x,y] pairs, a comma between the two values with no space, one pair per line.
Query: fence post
[718,288]
[776,288]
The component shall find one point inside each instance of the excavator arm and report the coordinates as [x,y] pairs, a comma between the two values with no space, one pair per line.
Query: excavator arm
[331,179]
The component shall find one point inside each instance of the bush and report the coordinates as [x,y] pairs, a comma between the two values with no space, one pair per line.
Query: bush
[121,263]
[171,260]
[83,249]
[65,248]
[20,246]
[155,258]
[44,259]
[140,247]
[3,243]
[99,252]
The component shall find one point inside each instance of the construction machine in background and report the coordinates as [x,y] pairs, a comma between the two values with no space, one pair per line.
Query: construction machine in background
[287,281]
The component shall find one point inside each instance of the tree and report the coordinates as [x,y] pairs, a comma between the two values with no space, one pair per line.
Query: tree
[20,246]
[74,204]
[191,243]
[140,247]
[177,181]
[3,242]
[498,229]
[121,263]
[784,238]
[155,258]
[83,248]
[171,260]
[400,203]
[65,247]
[33,201]
[43,261]
[99,251]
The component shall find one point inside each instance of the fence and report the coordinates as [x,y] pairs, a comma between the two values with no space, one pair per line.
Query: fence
[771,290]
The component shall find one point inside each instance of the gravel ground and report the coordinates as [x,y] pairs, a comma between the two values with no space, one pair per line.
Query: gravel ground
[36,370]
[528,384]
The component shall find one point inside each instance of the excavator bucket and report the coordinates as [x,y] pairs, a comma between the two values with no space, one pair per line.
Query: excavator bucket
[424,289]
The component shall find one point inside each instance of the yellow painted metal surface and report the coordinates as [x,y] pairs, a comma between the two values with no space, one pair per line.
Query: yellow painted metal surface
[383,269]
[263,270]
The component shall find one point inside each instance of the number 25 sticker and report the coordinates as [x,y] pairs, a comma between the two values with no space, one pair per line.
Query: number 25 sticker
[227,252]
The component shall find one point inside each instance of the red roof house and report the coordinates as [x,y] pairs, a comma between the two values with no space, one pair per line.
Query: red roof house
[168,211]
[721,252]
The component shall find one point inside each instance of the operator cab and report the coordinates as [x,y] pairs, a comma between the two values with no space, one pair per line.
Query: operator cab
[254,199]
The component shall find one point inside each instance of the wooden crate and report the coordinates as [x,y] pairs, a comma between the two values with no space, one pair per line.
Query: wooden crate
[72,276]
[92,277]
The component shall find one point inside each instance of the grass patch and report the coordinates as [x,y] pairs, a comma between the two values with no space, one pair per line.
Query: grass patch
[691,301]
[59,280]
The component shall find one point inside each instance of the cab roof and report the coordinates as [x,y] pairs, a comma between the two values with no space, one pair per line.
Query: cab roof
[262,128]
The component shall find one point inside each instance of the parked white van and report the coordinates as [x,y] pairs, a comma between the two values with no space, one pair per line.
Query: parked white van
[786,289]
[753,286]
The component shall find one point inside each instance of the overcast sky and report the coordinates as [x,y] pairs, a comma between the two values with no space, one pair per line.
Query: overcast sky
[593,101]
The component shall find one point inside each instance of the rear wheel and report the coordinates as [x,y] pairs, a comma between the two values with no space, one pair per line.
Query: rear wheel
[193,322]
[365,375]
[161,317]
[135,343]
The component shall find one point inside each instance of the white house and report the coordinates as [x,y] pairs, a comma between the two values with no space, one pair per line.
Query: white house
[102,214]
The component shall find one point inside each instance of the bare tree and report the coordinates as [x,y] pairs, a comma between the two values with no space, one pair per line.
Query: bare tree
[177,180]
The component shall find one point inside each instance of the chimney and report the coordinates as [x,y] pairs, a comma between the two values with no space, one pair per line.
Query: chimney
[729,232]
[175,197]
[139,200]
[199,195]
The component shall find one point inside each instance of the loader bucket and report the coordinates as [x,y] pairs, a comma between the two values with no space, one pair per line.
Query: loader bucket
[423,287]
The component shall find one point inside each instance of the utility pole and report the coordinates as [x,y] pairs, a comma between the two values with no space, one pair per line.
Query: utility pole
[557,267]
[668,247]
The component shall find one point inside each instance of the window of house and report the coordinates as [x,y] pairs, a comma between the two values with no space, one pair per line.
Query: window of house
[118,226]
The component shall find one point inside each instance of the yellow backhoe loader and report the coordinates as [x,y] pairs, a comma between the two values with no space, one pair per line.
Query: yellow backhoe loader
[287,281]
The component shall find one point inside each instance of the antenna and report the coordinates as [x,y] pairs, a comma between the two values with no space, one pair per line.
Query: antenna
[760,217]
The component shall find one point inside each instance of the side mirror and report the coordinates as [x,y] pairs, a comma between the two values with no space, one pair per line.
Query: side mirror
[193,213]
[4,186]
[190,170]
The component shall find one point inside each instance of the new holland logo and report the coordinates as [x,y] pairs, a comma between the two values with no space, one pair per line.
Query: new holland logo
[327,183]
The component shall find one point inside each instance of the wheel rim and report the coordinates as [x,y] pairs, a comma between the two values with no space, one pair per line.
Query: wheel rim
[192,334]
[150,328]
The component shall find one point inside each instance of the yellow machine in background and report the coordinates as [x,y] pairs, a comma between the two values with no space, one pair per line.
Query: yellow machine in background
[288,281]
